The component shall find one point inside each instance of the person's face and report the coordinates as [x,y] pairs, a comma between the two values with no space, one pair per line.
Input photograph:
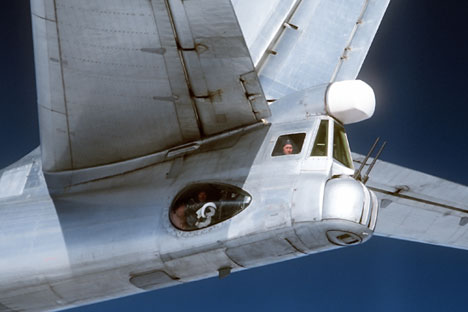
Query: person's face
[201,196]
[180,211]
[287,149]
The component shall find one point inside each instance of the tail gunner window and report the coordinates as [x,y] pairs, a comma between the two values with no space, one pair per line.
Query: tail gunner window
[340,146]
[204,205]
[289,144]
[320,145]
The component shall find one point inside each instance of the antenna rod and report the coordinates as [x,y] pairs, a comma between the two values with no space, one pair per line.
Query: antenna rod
[357,174]
[366,176]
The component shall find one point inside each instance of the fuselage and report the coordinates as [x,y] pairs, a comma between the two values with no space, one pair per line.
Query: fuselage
[108,235]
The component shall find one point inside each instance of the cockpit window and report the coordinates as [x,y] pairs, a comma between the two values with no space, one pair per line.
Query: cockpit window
[289,144]
[340,146]
[203,205]
[321,140]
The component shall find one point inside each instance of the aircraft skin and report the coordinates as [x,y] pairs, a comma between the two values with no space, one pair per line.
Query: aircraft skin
[408,244]
[104,232]
[116,230]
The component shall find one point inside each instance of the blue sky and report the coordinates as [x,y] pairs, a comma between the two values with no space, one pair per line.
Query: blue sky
[418,70]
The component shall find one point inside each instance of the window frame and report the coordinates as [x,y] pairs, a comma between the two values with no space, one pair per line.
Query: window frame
[285,133]
[188,192]
[347,147]
[314,134]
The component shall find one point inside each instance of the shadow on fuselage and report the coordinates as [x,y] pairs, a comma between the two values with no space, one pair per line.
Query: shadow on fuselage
[119,225]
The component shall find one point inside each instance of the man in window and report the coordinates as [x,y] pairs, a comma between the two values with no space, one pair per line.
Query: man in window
[193,205]
[178,217]
[288,144]
[288,147]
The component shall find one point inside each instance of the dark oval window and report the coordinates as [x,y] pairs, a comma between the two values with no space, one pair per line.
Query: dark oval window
[202,205]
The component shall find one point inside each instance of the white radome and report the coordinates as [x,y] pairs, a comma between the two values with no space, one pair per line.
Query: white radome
[350,101]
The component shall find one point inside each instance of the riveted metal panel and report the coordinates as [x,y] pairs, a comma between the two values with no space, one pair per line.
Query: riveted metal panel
[300,44]
[121,79]
[418,207]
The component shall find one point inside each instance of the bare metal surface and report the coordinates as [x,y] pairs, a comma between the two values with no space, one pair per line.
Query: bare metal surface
[328,42]
[261,22]
[419,207]
[124,79]
[112,237]
[59,182]
[4,308]
[106,233]
[151,280]
[127,92]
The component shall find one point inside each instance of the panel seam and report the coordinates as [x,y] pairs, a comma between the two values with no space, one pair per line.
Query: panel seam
[184,68]
[347,48]
[420,200]
[277,36]
[63,86]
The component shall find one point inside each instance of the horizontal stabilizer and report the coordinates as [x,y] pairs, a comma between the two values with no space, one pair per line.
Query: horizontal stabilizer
[419,207]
